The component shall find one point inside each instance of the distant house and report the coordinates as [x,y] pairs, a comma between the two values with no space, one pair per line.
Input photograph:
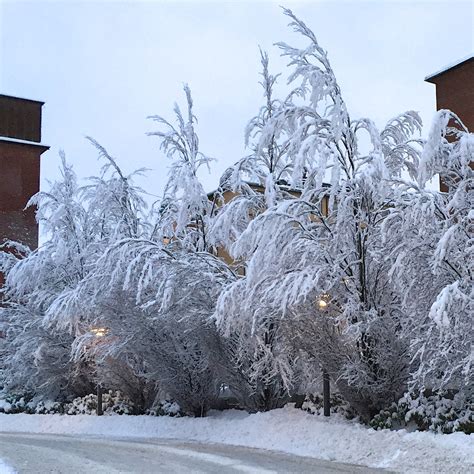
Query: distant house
[455,91]
[223,196]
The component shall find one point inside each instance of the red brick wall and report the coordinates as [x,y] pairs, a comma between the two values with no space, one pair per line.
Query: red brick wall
[20,118]
[20,174]
[455,91]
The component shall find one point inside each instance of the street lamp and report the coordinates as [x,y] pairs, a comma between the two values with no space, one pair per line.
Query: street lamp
[323,303]
[99,332]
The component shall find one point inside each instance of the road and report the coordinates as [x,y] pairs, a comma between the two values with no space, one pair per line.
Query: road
[29,453]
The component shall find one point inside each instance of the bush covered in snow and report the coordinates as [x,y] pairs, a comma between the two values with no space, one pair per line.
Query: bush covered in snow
[165,408]
[49,408]
[441,412]
[16,403]
[113,402]
[314,404]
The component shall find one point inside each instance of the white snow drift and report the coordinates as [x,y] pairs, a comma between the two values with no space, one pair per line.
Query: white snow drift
[287,430]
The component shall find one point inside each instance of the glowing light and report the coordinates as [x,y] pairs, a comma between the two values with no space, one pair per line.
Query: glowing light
[322,303]
[99,332]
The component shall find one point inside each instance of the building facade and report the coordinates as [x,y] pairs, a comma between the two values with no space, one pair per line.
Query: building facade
[20,152]
[455,91]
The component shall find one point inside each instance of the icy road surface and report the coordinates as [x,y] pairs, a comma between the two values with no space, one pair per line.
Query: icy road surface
[27,453]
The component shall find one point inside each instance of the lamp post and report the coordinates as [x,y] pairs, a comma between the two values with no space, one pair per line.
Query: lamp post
[326,394]
[99,411]
[323,303]
[98,333]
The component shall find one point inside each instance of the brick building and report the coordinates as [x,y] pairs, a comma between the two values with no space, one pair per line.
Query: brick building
[20,152]
[455,91]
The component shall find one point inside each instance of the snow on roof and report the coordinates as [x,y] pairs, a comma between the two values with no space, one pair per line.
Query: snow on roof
[450,66]
[22,142]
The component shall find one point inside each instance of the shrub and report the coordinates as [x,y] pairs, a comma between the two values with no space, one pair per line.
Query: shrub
[166,408]
[442,412]
[16,403]
[112,403]
[314,404]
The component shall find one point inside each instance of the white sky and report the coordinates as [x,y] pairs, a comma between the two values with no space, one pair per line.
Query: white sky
[102,67]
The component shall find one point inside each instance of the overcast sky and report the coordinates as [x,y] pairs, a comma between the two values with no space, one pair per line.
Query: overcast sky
[102,67]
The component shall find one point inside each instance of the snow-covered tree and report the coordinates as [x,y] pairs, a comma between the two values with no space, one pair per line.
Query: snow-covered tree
[116,207]
[259,179]
[38,357]
[434,259]
[153,293]
[79,223]
[157,302]
[257,182]
[321,254]
[185,209]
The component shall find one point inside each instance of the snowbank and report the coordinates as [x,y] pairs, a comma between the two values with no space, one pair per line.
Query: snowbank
[288,430]
[5,468]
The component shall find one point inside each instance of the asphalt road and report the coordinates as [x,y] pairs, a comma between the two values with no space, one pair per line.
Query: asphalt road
[28,453]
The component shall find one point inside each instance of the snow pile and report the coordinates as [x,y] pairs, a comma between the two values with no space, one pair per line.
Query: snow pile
[5,468]
[288,430]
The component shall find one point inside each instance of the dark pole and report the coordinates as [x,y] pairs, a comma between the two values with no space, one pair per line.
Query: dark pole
[99,400]
[326,394]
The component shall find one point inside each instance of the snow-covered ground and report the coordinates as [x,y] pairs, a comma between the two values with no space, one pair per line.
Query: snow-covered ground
[5,468]
[287,430]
